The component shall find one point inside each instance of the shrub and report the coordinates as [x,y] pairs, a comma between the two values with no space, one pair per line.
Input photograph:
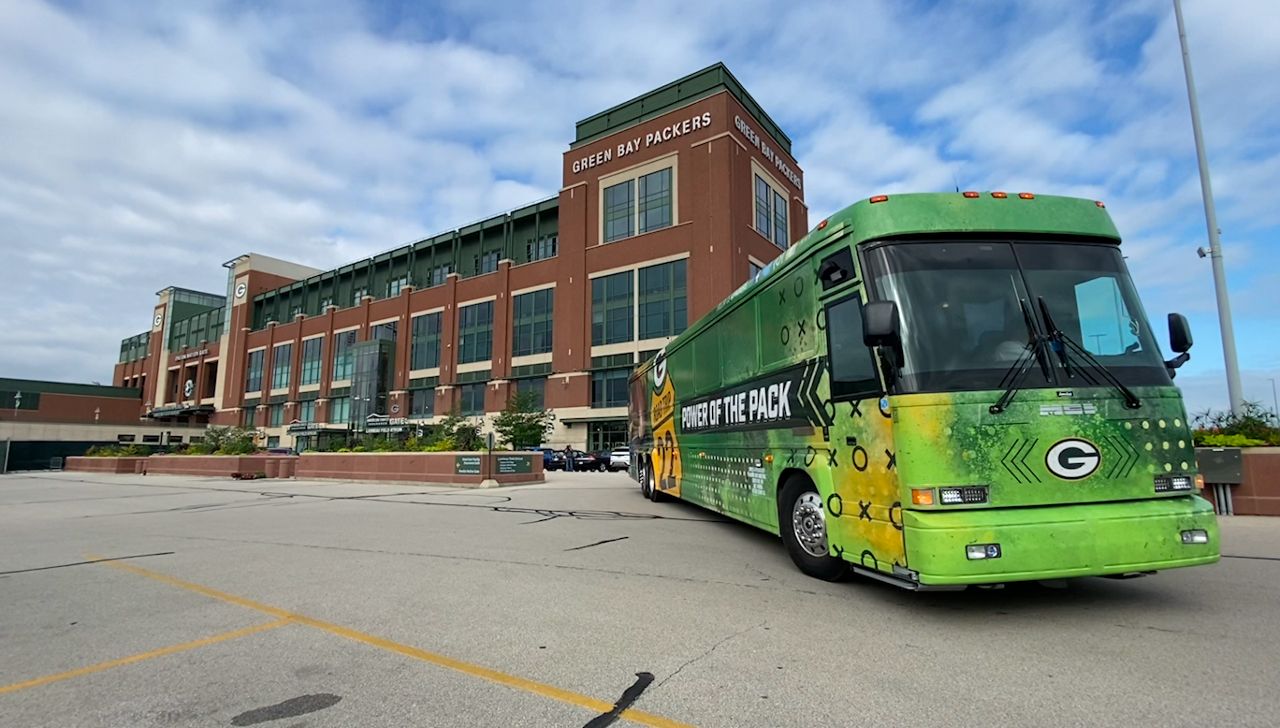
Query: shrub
[1251,428]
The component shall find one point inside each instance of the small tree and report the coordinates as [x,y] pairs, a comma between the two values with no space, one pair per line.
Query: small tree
[523,423]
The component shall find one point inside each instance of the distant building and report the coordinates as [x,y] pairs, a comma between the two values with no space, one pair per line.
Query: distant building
[42,421]
[670,202]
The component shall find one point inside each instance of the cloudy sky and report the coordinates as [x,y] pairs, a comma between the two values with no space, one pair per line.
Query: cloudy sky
[141,147]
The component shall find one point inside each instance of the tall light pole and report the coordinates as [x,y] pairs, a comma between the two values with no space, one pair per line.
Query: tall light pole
[1234,392]
[1275,401]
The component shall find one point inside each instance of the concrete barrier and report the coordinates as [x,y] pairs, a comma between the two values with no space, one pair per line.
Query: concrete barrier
[224,466]
[106,464]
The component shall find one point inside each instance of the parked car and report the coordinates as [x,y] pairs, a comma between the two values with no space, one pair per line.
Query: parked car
[620,459]
[552,459]
[591,460]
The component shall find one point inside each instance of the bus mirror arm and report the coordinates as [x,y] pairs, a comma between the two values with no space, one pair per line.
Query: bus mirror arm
[881,330]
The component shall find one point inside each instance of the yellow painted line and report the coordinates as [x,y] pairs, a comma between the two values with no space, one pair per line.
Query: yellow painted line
[467,668]
[171,649]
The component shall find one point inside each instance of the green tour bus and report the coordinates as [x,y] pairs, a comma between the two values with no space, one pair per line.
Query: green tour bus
[936,390]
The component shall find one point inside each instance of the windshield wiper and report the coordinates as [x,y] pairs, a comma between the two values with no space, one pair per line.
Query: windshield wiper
[1022,366]
[1063,345]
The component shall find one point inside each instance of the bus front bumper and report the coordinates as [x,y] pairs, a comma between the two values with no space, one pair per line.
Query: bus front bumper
[1058,542]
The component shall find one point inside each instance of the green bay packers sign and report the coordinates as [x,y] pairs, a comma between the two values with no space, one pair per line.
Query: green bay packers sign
[788,398]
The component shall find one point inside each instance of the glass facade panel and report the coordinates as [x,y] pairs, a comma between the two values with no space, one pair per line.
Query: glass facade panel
[655,200]
[619,211]
[764,203]
[475,332]
[249,417]
[663,303]
[342,343]
[471,398]
[536,385]
[488,262]
[426,341]
[542,248]
[611,309]
[340,410]
[422,402]
[780,221]
[253,372]
[609,387]
[312,356]
[307,410]
[281,366]
[275,415]
[531,322]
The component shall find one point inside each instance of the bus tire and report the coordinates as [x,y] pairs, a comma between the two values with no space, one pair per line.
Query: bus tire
[802,523]
[651,484]
[646,483]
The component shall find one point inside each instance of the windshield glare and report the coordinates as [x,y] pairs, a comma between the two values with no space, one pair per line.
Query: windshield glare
[963,326]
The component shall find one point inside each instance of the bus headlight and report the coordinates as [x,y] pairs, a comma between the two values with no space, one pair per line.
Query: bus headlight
[1168,483]
[965,495]
[976,551]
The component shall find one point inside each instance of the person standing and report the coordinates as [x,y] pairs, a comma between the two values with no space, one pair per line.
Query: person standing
[568,459]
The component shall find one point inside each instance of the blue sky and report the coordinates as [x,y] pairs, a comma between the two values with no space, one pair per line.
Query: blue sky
[143,146]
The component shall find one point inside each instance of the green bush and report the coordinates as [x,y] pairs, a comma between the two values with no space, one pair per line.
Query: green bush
[1253,427]
[118,451]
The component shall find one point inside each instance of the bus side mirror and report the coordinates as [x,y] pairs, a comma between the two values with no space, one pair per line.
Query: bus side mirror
[1179,333]
[880,326]
[1179,340]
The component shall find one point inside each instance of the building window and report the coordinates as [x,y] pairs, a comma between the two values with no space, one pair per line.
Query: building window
[422,402]
[312,351]
[535,385]
[325,302]
[384,332]
[339,410]
[439,273]
[281,366]
[753,270]
[275,415]
[531,322]
[475,332]
[357,295]
[394,287]
[542,248]
[471,398]
[249,417]
[638,205]
[663,310]
[342,343]
[771,213]
[487,262]
[609,387]
[611,308]
[426,342]
[619,211]
[307,410]
[253,372]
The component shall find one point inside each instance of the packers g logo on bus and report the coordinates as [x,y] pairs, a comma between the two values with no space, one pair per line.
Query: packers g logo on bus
[1072,459]
[659,370]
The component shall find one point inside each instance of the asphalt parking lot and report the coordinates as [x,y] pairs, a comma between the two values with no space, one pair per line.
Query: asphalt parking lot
[153,601]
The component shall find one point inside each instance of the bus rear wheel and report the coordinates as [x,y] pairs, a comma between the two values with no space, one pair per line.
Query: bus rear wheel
[803,524]
[648,485]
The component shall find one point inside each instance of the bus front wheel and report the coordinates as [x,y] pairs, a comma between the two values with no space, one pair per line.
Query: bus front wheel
[803,524]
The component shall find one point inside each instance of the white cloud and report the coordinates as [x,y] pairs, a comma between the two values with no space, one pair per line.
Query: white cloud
[177,137]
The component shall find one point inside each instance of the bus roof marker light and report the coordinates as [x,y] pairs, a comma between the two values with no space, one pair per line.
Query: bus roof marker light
[822,225]
[879,198]
[1100,203]
[1026,196]
[1000,195]
[970,195]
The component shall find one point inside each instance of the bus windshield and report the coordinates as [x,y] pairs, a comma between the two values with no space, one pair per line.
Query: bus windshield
[962,322]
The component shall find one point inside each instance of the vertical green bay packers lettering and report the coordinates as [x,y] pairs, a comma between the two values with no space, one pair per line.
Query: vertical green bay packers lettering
[936,390]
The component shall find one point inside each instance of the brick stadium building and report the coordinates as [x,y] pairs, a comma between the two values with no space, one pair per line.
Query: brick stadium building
[670,202]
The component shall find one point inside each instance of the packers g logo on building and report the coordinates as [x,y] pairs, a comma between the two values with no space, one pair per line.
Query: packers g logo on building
[1072,459]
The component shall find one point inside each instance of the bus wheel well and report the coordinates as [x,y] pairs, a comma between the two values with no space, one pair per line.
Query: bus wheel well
[787,476]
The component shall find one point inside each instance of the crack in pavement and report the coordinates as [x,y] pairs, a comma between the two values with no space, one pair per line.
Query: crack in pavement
[708,652]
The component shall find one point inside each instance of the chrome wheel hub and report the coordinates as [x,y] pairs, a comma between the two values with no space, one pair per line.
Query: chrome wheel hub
[809,524]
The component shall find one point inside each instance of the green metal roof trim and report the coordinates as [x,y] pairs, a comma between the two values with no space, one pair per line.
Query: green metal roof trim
[80,390]
[694,87]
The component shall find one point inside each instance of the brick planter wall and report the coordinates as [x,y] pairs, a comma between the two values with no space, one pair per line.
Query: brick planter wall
[106,464]
[224,466]
[1259,494]
[416,467]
